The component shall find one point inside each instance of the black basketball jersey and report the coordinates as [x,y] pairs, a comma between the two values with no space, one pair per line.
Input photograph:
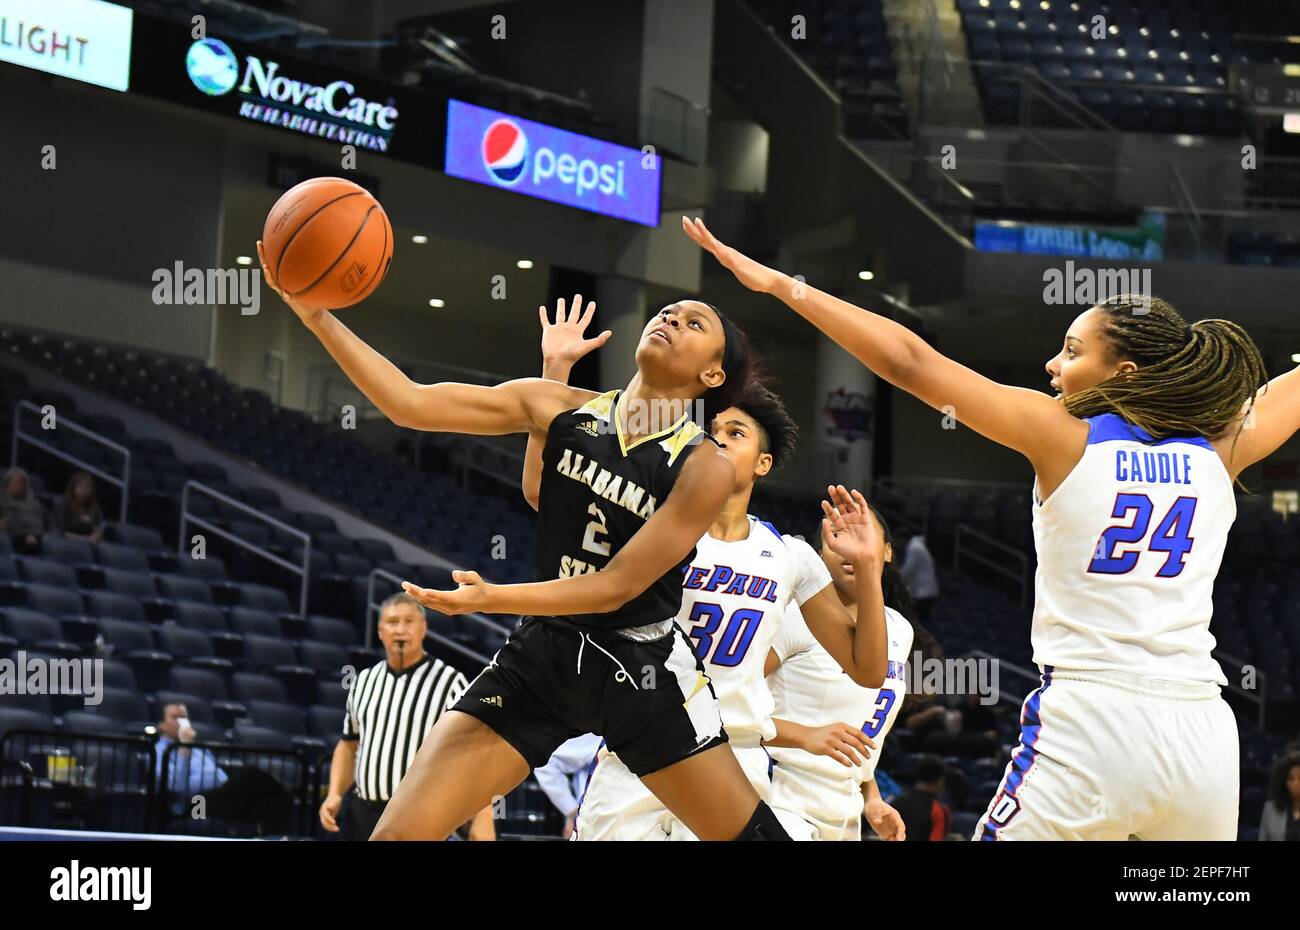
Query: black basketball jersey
[596,492]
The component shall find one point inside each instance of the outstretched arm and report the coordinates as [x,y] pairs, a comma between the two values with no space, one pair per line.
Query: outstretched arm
[662,543]
[1030,422]
[562,345]
[1274,419]
[517,406]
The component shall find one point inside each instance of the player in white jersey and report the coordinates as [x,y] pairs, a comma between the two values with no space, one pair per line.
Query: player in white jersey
[745,578]
[735,592]
[823,797]
[1134,465]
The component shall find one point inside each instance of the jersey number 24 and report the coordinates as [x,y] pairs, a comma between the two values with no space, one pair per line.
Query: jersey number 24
[1173,535]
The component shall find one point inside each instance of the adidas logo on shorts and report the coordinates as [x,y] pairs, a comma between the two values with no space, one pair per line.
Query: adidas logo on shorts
[494,700]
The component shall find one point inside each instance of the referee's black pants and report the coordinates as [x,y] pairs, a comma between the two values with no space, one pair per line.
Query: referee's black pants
[357,817]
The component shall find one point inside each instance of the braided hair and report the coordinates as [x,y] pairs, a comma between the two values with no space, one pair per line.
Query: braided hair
[1191,380]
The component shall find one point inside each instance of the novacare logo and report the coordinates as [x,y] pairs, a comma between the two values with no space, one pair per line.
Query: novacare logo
[105,883]
[335,98]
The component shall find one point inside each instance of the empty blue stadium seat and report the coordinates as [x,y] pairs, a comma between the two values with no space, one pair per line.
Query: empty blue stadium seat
[181,588]
[47,572]
[125,706]
[249,686]
[263,597]
[246,620]
[330,630]
[205,683]
[324,658]
[282,718]
[119,556]
[117,606]
[140,537]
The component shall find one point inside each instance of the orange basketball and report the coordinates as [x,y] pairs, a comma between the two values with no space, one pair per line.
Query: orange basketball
[328,243]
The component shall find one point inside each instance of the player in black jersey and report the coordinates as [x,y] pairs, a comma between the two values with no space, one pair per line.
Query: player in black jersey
[625,498]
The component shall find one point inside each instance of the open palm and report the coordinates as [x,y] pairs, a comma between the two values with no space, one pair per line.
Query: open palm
[755,276]
[563,341]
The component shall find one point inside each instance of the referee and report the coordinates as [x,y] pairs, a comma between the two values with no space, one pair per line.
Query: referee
[391,708]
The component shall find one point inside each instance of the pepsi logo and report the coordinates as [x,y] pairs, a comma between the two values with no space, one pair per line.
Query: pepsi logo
[505,151]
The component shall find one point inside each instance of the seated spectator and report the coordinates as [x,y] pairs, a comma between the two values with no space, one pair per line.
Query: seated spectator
[192,771]
[249,795]
[925,817]
[77,515]
[1281,819]
[22,515]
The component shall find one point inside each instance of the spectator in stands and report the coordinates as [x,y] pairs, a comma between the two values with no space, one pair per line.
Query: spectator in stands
[920,578]
[408,685]
[1281,820]
[22,515]
[250,795]
[192,771]
[564,776]
[925,817]
[77,514]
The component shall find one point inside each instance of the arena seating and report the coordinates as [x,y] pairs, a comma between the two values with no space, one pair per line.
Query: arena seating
[846,44]
[1139,77]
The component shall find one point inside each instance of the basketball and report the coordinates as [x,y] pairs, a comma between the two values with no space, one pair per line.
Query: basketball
[328,243]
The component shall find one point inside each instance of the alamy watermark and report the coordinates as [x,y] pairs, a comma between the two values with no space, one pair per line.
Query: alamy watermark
[1087,287]
[26,674]
[192,287]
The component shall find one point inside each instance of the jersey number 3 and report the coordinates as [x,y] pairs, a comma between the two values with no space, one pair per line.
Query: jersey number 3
[1173,534]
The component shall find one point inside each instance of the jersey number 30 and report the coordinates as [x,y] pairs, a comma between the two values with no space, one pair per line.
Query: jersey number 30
[727,648]
[1173,534]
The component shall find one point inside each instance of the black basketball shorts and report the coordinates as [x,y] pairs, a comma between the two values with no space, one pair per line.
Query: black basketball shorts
[649,698]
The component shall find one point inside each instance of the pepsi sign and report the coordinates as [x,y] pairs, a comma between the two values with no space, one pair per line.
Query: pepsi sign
[531,158]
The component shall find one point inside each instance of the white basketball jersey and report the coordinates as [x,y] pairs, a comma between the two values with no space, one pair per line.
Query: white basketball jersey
[1128,549]
[810,688]
[734,596]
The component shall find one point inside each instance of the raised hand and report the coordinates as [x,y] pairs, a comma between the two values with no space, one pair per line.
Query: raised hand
[563,342]
[755,276]
[849,529]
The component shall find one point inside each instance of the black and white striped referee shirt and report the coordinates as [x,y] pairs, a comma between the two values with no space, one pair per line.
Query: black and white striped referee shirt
[391,713]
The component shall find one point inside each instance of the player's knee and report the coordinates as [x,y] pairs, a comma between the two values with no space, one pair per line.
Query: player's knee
[763,825]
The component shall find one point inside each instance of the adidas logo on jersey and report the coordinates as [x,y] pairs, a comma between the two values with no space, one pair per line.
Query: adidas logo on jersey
[589,427]
[765,554]
[494,700]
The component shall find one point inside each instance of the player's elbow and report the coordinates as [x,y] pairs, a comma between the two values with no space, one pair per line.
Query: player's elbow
[532,495]
[871,677]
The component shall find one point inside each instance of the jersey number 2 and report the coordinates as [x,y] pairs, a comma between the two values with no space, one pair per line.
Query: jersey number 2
[1172,535]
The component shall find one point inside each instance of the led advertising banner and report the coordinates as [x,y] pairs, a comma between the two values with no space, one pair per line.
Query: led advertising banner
[225,76]
[537,160]
[85,40]
[1145,242]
